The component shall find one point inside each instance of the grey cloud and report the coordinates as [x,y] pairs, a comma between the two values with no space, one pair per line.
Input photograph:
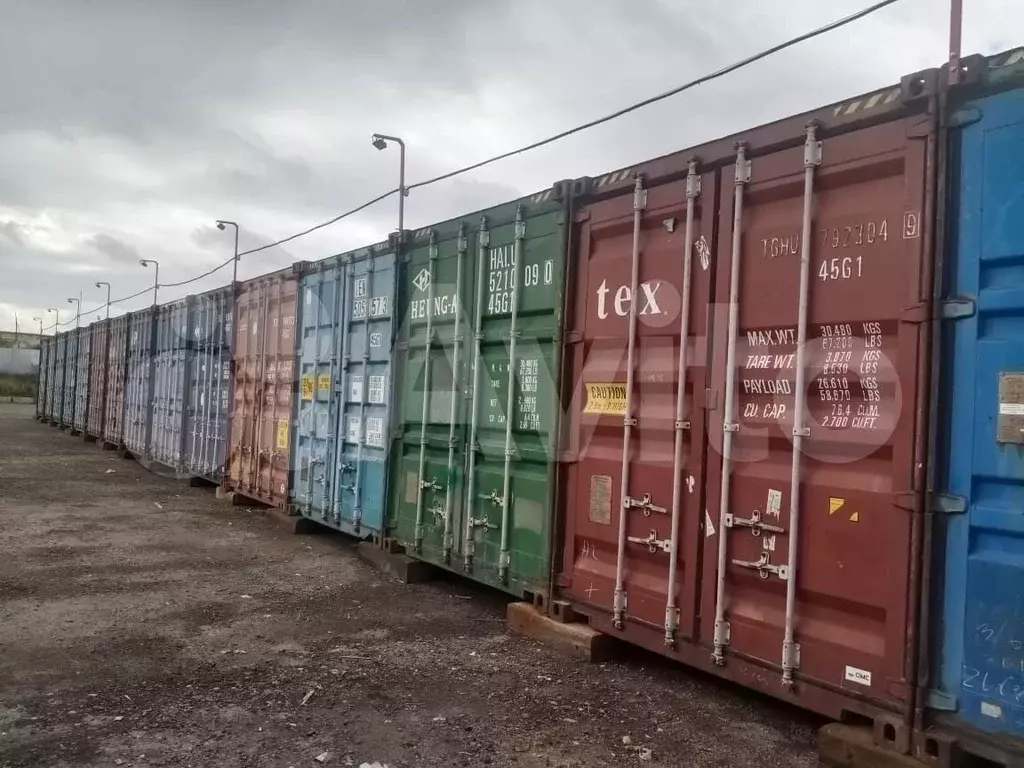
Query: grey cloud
[114,249]
[12,232]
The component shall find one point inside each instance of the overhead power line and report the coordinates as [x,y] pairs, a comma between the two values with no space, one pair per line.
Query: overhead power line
[729,69]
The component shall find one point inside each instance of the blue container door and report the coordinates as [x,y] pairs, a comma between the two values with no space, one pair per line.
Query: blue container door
[364,420]
[209,385]
[313,493]
[982,654]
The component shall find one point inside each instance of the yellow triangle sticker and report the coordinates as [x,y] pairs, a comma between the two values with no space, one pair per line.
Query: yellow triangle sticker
[834,504]
[855,517]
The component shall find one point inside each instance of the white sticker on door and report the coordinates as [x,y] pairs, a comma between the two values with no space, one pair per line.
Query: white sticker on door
[709,527]
[859,676]
[774,507]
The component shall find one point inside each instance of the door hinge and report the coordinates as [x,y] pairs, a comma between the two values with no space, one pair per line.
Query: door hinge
[947,309]
[941,701]
[938,503]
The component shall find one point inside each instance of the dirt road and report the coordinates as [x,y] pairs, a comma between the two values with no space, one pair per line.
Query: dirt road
[143,623]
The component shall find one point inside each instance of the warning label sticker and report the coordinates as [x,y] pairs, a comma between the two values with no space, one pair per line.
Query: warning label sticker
[282,435]
[307,387]
[323,383]
[606,398]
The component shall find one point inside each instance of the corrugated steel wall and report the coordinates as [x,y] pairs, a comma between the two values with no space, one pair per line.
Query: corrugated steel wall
[98,334]
[477,394]
[259,461]
[67,411]
[207,417]
[84,348]
[55,401]
[340,447]
[171,360]
[138,411]
[42,387]
[114,402]
[978,631]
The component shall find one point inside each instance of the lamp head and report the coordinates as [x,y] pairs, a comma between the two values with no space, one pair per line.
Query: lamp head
[220,225]
[378,142]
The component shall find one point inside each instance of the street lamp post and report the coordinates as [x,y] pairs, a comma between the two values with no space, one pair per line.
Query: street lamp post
[156,277]
[380,141]
[78,310]
[40,321]
[221,224]
[56,322]
[100,284]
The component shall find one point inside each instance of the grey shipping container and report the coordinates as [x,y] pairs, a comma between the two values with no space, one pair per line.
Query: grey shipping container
[55,400]
[42,388]
[138,411]
[70,358]
[169,380]
[83,346]
[117,358]
[209,384]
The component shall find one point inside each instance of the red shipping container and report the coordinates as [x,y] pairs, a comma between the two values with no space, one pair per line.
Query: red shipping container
[790,566]
[264,386]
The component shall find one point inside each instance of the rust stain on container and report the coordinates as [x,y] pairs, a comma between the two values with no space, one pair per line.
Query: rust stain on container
[849,575]
[258,460]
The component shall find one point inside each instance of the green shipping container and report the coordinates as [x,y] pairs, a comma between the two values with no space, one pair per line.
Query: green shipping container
[480,306]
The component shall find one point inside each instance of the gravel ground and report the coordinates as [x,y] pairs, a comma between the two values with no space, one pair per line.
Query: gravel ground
[143,623]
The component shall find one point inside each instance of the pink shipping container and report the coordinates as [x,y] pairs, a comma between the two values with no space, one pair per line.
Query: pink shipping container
[258,465]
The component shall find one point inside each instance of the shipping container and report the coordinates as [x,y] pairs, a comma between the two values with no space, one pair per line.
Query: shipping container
[342,413]
[209,385]
[138,401]
[97,378]
[172,355]
[70,358]
[116,373]
[740,501]
[42,387]
[82,366]
[476,392]
[258,459]
[55,403]
[978,614]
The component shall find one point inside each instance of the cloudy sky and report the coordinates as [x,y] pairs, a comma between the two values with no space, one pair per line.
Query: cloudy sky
[128,126]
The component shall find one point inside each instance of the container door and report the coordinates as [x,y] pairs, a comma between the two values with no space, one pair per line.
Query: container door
[982,652]
[363,427]
[633,468]
[314,493]
[508,511]
[808,570]
[427,513]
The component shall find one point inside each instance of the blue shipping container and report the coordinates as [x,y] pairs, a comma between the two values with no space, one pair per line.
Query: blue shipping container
[342,412]
[980,623]
[209,387]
